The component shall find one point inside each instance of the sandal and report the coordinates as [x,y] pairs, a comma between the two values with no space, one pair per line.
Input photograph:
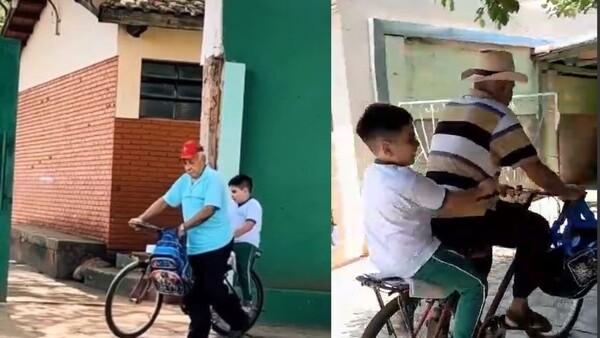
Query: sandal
[530,321]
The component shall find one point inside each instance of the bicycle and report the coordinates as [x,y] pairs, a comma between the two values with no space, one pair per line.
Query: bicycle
[412,294]
[137,276]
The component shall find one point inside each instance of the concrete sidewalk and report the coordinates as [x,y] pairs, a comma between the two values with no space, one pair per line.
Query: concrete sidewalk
[39,306]
[352,314]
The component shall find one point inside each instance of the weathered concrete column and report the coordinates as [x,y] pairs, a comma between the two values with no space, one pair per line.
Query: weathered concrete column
[212,60]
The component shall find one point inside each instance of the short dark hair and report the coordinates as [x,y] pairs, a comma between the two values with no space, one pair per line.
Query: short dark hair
[241,181]
[381,119]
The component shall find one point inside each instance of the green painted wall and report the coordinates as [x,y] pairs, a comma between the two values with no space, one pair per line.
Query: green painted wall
[232,115]
[9,68]
[425,70]
[576,95]
[285,46]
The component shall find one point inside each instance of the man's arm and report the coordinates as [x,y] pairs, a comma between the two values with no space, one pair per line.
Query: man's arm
[213,200]
[548,180]
[199,217]
[156,208]
[513,147]
[171,199]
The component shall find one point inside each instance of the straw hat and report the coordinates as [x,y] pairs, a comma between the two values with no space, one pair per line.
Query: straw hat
[494,65]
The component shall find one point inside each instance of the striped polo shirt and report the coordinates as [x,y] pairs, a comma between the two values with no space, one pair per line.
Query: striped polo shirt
[475,137]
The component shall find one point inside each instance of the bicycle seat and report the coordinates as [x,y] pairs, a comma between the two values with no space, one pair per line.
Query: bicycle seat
[416,288]
[373,280]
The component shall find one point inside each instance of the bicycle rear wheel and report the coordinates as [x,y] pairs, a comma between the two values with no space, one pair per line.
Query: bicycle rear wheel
[389,321]
[131,286]
[221,327]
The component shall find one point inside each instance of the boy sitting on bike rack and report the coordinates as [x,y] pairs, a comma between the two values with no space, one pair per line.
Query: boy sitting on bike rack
[245,215]
[398,206]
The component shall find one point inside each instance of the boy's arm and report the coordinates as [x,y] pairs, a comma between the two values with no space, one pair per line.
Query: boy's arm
[456,200]
[253,215]
[247,226]
[428,194]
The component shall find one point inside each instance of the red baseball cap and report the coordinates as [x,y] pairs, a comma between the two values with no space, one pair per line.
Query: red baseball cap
[190,149]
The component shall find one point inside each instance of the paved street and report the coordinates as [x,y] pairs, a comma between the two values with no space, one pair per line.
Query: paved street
[353,306]
[39,306]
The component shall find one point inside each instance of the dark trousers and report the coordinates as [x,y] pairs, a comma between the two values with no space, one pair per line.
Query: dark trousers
[209,290]
[509,226]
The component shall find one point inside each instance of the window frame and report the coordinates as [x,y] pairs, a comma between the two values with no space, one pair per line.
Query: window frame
[174,96]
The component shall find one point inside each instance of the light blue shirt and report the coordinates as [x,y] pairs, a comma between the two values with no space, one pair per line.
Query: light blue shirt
[209,189]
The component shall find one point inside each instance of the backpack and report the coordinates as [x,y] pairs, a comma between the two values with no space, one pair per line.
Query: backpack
[571,263]
[170,271]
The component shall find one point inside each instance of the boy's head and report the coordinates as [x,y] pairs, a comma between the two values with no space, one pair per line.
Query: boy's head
[388,131]
[241,188]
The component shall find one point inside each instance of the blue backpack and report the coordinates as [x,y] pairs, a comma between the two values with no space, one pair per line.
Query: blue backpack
[572,262]
[169,268]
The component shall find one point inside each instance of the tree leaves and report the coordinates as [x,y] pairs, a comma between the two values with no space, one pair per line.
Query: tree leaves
[500,11]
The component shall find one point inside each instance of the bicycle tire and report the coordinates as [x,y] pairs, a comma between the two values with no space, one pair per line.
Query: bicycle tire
[110,295]
[569,323]
[379,321]
[224,331]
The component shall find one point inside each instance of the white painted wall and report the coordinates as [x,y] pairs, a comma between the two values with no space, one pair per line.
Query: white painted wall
[83,41]
[155,44]
[346,192]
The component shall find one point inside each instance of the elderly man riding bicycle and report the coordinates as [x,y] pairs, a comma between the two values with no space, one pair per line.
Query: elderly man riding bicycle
[475,137]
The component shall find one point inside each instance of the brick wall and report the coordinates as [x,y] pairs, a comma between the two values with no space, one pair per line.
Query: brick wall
[145,165]
[63,154]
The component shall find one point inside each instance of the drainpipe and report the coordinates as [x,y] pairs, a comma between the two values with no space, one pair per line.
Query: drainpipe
[213,60]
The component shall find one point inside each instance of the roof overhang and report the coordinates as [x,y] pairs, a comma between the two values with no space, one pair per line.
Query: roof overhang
[22,18]
[574,57]
[174,14]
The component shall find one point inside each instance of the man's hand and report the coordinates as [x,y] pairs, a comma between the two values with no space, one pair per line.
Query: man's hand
[572,193]
[135,222]
[504,189]
[181,230]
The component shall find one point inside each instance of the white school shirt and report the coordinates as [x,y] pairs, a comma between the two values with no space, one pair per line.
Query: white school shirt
[239,214]
[398,205]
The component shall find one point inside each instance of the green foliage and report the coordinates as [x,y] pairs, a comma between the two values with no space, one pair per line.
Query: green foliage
[500,11]
[4,7]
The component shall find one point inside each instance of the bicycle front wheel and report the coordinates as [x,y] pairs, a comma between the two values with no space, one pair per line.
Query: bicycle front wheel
[131,297]
[562,313]
[256,288]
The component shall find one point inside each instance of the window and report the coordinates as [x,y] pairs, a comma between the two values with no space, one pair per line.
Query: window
[171,90]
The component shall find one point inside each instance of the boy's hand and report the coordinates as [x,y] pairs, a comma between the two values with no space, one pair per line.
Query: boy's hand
[488,187]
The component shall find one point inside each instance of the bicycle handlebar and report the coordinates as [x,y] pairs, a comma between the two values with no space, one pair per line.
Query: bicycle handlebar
[146,226]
